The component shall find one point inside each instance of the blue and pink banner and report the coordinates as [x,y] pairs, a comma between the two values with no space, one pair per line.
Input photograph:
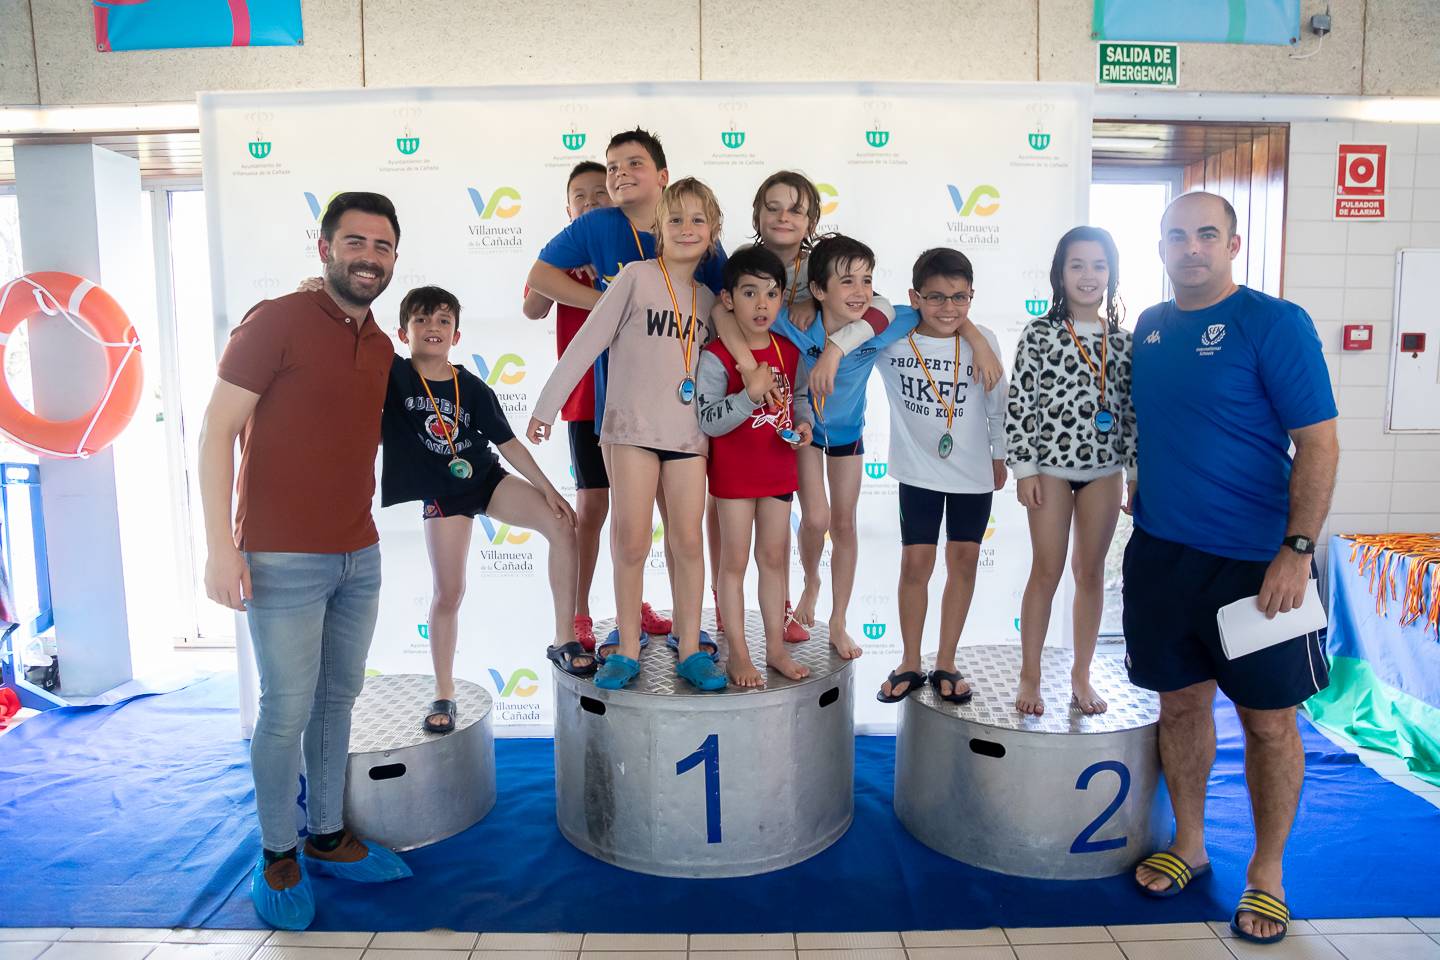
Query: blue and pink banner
[170,24]
[1198,21]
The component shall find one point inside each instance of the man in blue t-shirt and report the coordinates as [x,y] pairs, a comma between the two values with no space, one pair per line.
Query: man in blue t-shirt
[1225,379]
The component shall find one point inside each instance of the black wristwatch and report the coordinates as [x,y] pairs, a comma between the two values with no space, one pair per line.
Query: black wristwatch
[1301,544]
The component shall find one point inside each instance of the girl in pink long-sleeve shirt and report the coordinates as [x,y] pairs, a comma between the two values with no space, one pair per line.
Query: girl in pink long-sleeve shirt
[650,428]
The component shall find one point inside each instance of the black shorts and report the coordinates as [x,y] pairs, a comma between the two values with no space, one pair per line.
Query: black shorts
[966,516]
[854,449]
[1172,593]
[585,458]
[667,455]
[469,504]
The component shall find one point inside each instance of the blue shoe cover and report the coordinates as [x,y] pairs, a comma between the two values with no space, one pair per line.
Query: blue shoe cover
[616,672]
[292,909]
[702,672]
[673,642]
[381,866]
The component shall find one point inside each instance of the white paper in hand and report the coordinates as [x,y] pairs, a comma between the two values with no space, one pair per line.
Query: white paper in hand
[1244,628]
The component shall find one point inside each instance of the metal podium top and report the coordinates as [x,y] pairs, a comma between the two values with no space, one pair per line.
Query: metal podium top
[993,672]
[657,661]
[390,711]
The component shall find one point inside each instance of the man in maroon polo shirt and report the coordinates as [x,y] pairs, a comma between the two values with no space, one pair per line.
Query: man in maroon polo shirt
[301,384]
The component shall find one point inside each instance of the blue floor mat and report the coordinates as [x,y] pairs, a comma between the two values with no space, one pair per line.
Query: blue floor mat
[142,814]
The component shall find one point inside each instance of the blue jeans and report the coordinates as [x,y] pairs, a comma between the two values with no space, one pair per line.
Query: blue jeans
[312,617]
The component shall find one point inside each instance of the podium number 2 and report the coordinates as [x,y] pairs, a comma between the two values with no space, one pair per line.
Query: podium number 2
[709,754]
[1083,843]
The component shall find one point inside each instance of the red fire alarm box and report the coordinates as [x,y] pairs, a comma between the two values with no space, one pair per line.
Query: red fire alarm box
[1412,343]
[1358,336]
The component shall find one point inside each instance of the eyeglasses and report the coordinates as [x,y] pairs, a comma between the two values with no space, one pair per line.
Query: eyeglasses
[939,299]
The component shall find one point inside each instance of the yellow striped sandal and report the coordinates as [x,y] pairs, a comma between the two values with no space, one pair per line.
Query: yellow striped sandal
[1266,907]
[1180,873]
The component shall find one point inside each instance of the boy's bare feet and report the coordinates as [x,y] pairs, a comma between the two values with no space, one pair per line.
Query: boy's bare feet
[843,644]
[741,670]
[782,663]
[805,607]
[1027,697]
[1084,696]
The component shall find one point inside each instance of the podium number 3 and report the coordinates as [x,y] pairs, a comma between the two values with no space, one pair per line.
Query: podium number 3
[1083,843]
[709,754]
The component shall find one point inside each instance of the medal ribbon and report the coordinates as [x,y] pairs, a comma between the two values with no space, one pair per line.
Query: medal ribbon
[694,294]
[794,282]
[436,407]
[1085,355]
[780,362]
[955,379]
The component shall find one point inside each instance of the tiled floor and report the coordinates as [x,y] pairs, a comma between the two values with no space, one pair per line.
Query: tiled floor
[1393,938]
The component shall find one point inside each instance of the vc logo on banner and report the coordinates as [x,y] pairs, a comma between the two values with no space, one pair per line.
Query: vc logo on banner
[509,369]
[316,207]
[975,202]
[512,686]
[486,209]
[502,533]
[829,198]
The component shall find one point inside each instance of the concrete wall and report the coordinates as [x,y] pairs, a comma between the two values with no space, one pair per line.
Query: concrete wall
[1345,273]
[47,51]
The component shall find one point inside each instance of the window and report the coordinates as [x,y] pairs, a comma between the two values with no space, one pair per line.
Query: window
[1128,202]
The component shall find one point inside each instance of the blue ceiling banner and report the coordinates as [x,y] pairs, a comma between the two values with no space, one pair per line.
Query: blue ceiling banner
[1198,21]
[172,24]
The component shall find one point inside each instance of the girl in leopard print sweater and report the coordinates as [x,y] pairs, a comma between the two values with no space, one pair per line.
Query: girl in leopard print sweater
[1070,431]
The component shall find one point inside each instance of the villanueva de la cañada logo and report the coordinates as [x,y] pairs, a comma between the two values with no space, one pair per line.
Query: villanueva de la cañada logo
[407,143]
[972,208]
[487,235]
[508,370]
[572,141]
[877,137]
[259,148]
[1038,139]
[829,198]
[732,139]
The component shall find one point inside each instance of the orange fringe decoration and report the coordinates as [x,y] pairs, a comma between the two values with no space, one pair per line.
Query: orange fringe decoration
[1380,555]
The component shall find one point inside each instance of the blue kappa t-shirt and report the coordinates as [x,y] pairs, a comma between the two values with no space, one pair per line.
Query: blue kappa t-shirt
[1215,392]
[604,239]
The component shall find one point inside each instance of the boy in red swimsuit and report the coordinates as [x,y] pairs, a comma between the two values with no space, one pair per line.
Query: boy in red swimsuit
[752,470]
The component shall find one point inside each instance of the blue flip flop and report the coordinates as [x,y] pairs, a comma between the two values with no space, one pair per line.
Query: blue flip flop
[616,671]
[380,865]
[702,672]
[612,639]
[1263,905]
[673,642]
[292,909]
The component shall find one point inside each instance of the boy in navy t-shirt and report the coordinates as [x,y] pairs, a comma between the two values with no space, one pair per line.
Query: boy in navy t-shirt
[438,425]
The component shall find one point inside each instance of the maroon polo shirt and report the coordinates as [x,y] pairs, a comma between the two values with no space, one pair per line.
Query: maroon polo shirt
[307,454]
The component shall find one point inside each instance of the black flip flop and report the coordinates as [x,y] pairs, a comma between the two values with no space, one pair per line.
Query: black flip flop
[953,678]
[565,655]
[445,707]
[914,681]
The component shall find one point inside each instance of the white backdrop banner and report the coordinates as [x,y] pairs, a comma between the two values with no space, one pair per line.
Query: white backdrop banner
[477,175]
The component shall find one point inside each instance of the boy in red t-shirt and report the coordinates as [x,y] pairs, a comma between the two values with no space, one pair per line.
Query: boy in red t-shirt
[752,470]
[585,191]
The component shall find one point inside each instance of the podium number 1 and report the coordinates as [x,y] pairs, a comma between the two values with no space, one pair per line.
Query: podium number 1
[709,753]
[1083,843]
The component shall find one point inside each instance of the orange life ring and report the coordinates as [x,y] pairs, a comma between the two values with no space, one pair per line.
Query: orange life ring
[96,314]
